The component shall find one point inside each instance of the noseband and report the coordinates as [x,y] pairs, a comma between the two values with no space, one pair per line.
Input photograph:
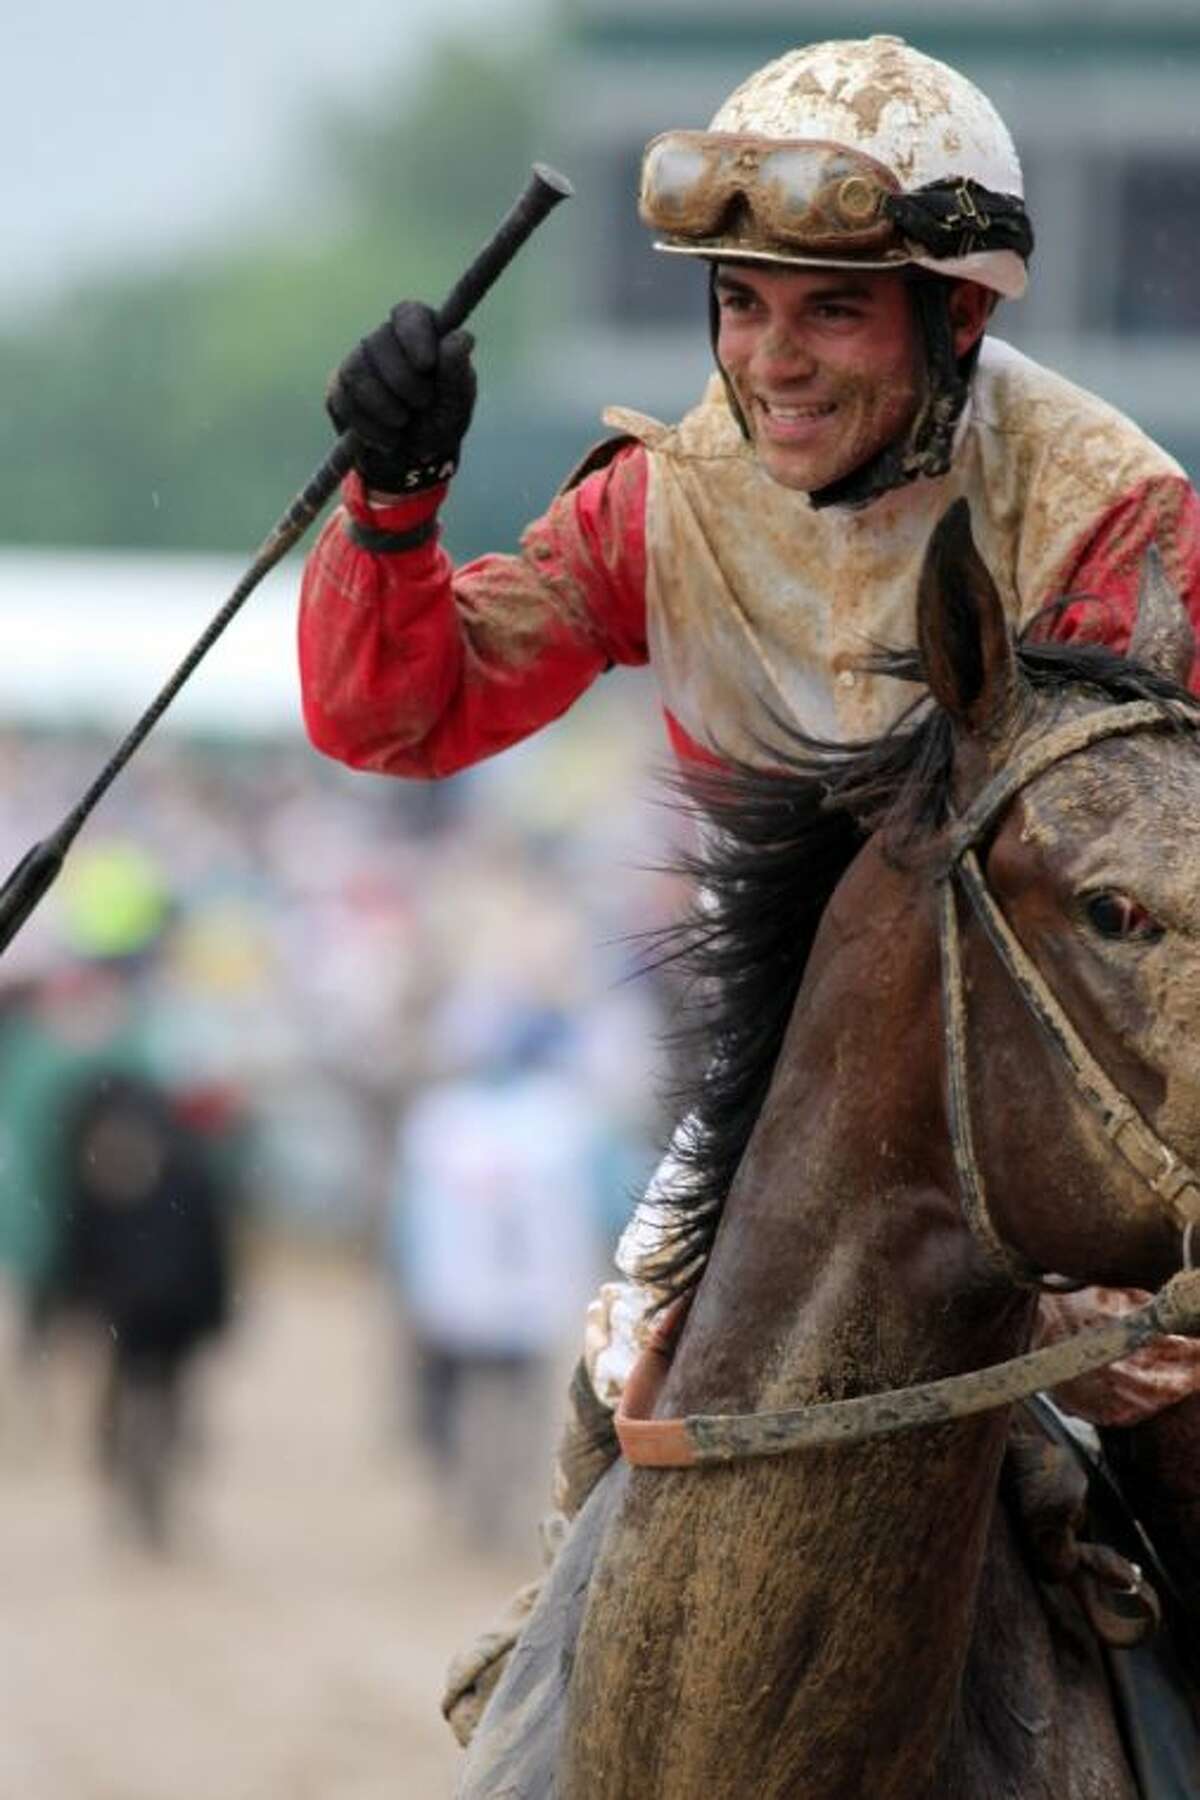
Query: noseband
[705,1438]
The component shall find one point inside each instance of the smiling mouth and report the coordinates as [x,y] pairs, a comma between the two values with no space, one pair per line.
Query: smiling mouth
[798,424]
[795,415]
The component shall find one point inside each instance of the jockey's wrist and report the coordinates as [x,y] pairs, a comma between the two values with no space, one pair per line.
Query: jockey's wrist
[398,484]
[392,512]
[382,523]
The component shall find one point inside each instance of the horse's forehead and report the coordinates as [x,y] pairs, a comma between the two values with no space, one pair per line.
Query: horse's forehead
[1136,797]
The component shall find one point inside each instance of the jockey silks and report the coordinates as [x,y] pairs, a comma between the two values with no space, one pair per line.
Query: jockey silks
[746,600]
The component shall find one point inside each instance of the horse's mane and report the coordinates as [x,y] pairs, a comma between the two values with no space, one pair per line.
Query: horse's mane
[774,846]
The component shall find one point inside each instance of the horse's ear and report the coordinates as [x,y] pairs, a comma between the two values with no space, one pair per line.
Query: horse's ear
[967,651]
[1163,638]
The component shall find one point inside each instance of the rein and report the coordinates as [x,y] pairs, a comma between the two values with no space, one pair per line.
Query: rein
[732,1437]
[723,1438]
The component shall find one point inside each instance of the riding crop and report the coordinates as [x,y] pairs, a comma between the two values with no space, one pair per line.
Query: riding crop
[38,868]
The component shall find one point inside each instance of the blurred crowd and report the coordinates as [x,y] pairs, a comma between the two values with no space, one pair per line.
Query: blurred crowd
[398,1017]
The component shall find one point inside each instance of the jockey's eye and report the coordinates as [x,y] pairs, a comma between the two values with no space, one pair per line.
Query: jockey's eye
[1115,915]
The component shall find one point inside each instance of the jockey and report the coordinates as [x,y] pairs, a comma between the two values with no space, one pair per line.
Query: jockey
[857,208]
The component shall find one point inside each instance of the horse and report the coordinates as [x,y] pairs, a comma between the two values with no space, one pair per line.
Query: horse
[886,1164]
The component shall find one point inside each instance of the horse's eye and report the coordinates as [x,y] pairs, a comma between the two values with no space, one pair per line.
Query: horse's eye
[1115,915]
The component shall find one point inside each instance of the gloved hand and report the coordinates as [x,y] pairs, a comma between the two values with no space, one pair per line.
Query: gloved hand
[407,398]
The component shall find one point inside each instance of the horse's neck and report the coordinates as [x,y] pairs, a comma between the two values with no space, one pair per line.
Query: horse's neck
[842,1265]
[844,1230]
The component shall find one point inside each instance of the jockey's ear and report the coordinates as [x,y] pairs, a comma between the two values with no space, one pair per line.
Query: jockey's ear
[1163,639]
[970,307]
[967,651]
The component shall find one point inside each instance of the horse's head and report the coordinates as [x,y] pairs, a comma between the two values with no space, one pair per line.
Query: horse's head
[1091,851]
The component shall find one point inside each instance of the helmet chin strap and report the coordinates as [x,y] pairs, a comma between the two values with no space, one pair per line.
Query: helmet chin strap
[714,328]
[927,447]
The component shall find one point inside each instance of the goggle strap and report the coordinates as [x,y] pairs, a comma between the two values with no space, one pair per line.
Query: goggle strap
[958,218]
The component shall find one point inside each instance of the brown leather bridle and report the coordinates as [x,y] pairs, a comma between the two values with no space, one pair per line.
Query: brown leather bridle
[705,1438]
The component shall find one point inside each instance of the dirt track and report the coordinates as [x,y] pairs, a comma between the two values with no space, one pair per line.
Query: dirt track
[292,1647]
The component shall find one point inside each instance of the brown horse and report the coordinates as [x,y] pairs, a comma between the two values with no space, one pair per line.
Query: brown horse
[848,1622]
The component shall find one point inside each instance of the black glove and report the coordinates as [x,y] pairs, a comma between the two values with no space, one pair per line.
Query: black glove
[406,397]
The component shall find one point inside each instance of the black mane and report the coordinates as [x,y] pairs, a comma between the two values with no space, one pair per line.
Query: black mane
[782,842]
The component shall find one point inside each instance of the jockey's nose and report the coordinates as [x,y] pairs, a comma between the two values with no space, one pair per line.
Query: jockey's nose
[784,354]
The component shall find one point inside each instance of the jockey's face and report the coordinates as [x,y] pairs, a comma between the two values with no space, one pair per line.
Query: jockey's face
[825,364]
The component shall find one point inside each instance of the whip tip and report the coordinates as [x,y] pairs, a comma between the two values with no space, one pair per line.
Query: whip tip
[558,184]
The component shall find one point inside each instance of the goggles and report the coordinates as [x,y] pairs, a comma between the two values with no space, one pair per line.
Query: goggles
[799,194]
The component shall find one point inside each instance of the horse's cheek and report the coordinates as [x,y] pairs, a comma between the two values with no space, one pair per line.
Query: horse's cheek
[1168,1030]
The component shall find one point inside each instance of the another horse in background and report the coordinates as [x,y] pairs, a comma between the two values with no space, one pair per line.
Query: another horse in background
[864,1621]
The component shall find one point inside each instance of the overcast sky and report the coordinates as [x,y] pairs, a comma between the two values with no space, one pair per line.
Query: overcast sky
[130,126]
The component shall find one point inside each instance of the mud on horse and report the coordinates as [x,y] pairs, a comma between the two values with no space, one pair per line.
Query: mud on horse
[873,1192]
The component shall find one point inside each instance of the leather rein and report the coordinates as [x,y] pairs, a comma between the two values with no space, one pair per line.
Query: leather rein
[722,1438]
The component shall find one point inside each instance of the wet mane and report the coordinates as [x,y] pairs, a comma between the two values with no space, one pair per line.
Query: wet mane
[763,878]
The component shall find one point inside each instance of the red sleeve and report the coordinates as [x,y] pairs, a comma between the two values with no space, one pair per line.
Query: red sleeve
[409,666]
[1105,568]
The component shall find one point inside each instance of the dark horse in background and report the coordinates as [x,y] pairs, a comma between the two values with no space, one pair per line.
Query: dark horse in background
[864,1622]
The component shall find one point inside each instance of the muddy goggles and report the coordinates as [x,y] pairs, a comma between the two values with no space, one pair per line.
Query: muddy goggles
[803,196]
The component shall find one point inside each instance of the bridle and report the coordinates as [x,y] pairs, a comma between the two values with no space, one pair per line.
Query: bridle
[701,1438]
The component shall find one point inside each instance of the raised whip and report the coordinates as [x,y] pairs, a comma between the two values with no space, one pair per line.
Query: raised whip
[37,869]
